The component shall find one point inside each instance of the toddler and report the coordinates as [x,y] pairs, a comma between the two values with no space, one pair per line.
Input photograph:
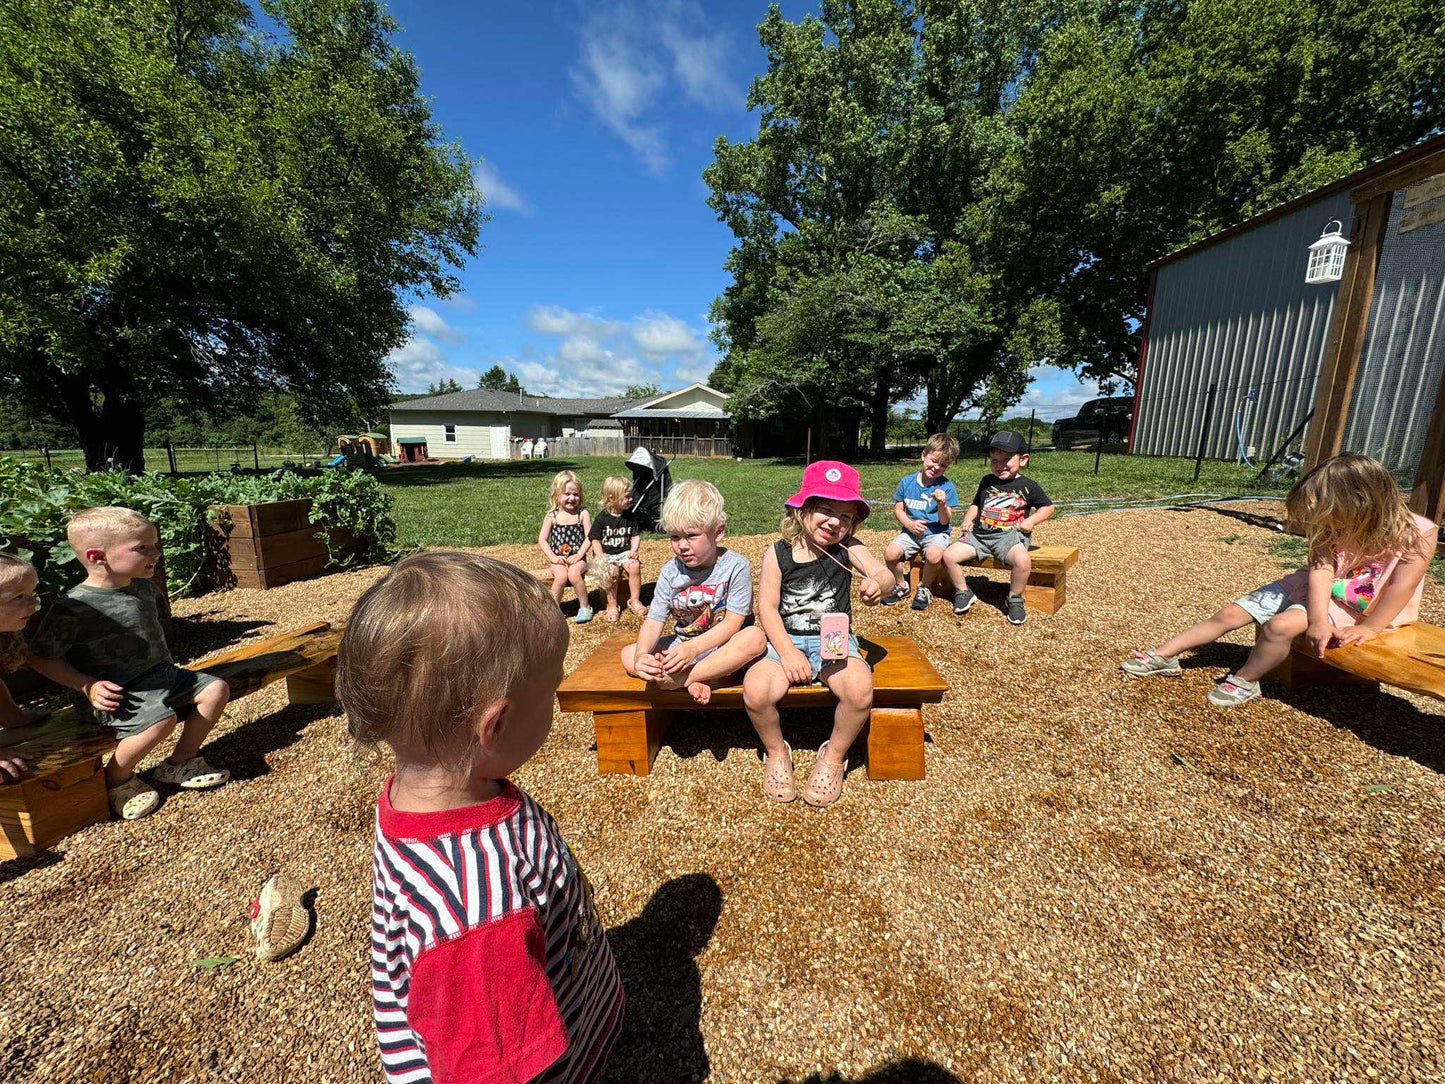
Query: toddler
[614,539]
[923,505]
[17,603]
[563,538]
[1368,555]
[806,574]
[103,639]
[708,591]
[488,957]
[999,523]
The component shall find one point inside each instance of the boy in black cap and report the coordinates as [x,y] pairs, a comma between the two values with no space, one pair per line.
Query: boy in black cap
[999,523]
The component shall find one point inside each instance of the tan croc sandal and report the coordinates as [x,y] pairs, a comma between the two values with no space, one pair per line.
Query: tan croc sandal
[133,799]
[638,608]
[279,920]
[194,774]
[825,781]
[778,781]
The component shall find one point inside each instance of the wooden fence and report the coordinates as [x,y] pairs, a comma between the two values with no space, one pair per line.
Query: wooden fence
[667,447]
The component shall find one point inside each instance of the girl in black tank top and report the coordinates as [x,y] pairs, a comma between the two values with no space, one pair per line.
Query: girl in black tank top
[813,588]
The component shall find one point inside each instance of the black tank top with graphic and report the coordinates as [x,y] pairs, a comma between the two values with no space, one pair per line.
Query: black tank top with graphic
[813,588]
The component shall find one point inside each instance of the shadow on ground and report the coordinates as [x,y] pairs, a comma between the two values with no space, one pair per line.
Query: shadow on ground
[661,1034]
[244,750]
[18,867]
[720,730]
[201,634]
[906,1071]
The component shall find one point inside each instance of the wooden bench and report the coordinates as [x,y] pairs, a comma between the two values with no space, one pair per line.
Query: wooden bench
[1412,657]
[630,717]
[1046,589]
[65,789]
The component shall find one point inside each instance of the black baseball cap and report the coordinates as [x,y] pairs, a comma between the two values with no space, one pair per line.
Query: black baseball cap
[1009,441]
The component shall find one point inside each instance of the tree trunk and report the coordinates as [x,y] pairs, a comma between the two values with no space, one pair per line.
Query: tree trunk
[878,438]
[112,436]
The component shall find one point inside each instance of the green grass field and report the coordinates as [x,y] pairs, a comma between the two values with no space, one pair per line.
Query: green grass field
[483,504]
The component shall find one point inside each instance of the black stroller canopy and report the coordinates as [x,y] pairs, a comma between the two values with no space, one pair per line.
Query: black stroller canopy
[651,481]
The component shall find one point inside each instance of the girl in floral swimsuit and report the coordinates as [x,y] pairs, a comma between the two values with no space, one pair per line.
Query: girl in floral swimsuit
[563,538]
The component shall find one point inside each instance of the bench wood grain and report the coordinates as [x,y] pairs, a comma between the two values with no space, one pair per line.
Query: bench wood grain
[1412,657]
[1047,587]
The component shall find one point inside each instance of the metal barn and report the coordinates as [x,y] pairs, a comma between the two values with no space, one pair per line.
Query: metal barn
[1240,353]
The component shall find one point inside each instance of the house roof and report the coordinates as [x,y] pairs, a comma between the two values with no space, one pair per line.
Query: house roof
[685,412]
[658,400]
[504,402]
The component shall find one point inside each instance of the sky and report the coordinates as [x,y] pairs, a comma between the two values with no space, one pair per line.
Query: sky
[591,124]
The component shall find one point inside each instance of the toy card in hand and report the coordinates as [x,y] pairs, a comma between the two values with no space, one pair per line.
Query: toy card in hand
[833,636]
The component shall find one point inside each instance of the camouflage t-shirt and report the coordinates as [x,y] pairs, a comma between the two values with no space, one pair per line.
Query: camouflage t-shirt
[110,633]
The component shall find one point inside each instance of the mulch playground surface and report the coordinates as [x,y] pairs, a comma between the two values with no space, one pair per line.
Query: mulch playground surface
[1100,880]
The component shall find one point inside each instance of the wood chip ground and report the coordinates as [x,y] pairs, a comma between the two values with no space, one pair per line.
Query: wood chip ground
[1100,880]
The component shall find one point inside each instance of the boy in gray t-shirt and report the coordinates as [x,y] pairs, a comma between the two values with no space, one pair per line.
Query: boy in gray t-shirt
[708,592]
[103,639]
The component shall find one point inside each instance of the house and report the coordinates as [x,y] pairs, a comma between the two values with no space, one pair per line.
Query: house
[484,423]
[694,411]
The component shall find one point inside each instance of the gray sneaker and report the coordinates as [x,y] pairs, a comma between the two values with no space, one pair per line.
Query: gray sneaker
[962,600]
[1232,691]
[1145,663]
[898,594]
[922,597]
[1015,609]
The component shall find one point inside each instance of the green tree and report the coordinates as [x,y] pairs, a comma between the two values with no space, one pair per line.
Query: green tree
[642,391]
[443,387]
[498,379]
[193,206]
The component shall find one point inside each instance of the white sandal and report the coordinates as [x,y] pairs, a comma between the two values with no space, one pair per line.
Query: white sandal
[194,774]
[133,799]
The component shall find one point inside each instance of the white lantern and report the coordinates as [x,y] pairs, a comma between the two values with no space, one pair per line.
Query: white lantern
[1327,255]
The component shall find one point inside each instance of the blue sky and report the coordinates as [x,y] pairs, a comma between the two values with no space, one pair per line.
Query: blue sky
[593,123]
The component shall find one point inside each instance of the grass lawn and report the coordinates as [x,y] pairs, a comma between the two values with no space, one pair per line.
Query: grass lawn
[483,504]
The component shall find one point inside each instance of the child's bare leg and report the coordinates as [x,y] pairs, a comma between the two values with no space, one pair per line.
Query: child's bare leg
[953,559]
[932,563]
[1273,644]
[1231,617]
[559,582]
[743,647]
[1020,565]
[132,749]
[634,579]
[210,702]
[896,562]
[614,602]
[577,577]
[852,684]
[764,686]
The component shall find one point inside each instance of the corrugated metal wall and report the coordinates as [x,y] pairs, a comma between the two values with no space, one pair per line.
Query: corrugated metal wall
[1404,351]
[1238,314]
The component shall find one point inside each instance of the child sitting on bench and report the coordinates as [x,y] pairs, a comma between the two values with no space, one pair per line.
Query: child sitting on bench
[708,592]
[614,542]
[923,505]
[563,539]
[1368,555]
[489,960]
[808,578]
[103,639]
[17,602]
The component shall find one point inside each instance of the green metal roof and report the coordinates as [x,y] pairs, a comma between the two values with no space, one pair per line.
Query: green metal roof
[411,440]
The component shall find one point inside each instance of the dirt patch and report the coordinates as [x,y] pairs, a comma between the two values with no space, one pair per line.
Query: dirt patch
[1100,880]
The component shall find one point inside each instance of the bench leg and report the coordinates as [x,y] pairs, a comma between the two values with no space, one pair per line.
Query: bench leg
[314,686]
[895,743]
[627,741]
[40,810]
[1045,592]
[1300,670]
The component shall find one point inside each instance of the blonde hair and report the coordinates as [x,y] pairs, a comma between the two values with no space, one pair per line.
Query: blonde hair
[1350,504]
[433,643]
[791,526]
[560,481]
[942,445]
[103,525]
[693,503]
[614,489]
[12,644]
[13,567]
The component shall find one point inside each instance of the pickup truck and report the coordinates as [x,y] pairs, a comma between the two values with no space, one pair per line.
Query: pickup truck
[1107,417]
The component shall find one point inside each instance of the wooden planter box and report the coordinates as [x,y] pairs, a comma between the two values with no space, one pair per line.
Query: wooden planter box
[266,545]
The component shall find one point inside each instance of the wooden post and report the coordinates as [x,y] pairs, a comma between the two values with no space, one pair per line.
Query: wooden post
[171,456]
[1341,359]
[895,743]
[1031,433]
[47,458]
[256,455]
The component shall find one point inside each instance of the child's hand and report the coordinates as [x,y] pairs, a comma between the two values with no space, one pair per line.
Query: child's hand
[649,668]
[869,591]
[104,695]
[1318,636]
[796,667]
[677,657]
[576,559]
[1354,634]
[915,526]
[1026,525]
[940,498]
[13,764]
[558,559]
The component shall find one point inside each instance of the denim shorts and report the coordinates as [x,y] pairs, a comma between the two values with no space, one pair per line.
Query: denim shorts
[912,546]
[1268,601]
[810,644]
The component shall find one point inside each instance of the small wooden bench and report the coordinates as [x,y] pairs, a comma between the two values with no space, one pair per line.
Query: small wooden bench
[1046,589]
[65,789]
[630,717]
[1412,657]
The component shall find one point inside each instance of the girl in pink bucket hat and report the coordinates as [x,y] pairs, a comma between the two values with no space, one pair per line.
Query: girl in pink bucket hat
[805,607]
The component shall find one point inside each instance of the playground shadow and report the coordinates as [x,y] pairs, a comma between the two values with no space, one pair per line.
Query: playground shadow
[1254,519]
[14,868]
[199,635]
[598,599]
[720,730]
[903,1071]
[244,749]
[661,1035]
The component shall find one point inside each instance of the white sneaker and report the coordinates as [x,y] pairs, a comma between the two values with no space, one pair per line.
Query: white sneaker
[1232,691]
[194,774]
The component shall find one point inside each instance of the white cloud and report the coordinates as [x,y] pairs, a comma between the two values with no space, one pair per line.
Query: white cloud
[694,374]
[419,362]
[460,302]
[430,322]
[658,336]
[556,320]
[1055,393]
[500,195]
[699,59]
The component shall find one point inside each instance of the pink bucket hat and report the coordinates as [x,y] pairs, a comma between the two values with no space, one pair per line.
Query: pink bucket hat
[831,481]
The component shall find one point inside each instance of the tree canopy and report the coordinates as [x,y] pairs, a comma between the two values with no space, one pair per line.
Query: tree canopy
[190,206]
[498,379]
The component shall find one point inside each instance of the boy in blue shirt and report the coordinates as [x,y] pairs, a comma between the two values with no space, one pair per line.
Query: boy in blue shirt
[923,505]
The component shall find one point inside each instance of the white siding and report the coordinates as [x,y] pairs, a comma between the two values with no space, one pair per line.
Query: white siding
[691,399]
[482,435]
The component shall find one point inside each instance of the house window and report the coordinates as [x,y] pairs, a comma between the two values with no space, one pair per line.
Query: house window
[449,434]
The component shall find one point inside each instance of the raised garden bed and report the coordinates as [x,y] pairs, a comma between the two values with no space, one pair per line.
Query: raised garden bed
[270,544]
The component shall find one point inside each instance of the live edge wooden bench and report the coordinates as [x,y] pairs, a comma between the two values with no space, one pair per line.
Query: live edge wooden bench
[65,789]
[631,717]
[1045,591]
[1412,657]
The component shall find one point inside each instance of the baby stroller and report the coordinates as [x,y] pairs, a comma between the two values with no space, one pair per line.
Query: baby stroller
[651,481]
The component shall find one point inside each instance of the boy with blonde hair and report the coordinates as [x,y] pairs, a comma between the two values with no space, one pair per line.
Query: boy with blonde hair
[708,591]
[103,639]
[923,505]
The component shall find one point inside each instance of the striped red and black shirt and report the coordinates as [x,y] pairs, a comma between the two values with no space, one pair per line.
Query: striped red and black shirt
[488,959]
